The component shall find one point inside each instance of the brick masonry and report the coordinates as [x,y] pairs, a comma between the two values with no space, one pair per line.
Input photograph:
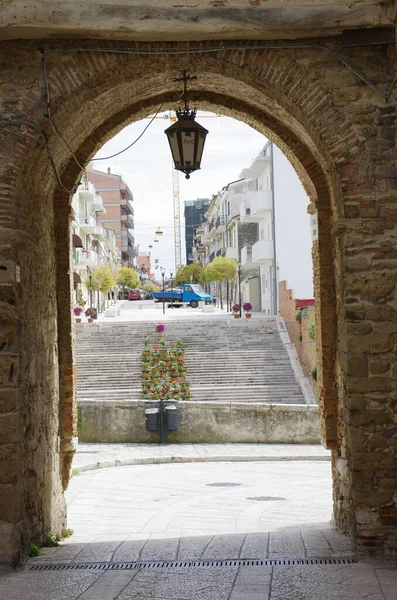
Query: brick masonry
[340,137]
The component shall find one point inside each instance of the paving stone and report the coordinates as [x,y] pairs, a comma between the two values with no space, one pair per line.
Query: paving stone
[255,545]
[108,586]
[224,546]
[182,584]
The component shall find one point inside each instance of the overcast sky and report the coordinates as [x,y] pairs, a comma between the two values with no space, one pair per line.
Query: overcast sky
[230,146]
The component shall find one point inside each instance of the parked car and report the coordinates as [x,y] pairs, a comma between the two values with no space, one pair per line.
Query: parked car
[135,294]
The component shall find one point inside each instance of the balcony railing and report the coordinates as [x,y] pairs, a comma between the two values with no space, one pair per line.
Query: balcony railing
[255,205]
[262,251]
[86,191]
[232,252]
[87,223]
[221,224]
[246,255]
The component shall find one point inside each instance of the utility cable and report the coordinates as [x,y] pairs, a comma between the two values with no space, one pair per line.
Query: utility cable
[135,141]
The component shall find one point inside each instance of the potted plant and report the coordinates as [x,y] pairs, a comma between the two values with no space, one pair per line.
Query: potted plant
[236,311]
[160,330]
[89,313]
[247,307]
[77,311]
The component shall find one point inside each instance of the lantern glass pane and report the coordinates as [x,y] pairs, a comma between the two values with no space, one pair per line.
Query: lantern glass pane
[173,140]
[200,148]
[188,148]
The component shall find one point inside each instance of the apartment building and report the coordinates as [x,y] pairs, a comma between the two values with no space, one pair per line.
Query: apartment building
[118,202]
[93,245]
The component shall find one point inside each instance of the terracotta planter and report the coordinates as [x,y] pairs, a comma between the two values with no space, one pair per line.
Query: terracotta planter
[236,315]
[247,315]
[78,320]
[90,320]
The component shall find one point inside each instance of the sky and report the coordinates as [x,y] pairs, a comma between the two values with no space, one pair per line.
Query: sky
[230,147]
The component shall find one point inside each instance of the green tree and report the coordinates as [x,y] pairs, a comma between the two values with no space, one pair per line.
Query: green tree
[102,280]
[127,277]
[221,269]
[194,270]
[151,287]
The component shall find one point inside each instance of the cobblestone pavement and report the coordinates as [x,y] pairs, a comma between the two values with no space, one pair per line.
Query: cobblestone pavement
[203,511]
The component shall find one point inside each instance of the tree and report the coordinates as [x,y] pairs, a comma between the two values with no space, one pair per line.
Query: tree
[151,287]
[102,280]
[193,273]
[127,277]
[221,269]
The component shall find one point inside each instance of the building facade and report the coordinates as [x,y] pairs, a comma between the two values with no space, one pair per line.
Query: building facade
[118,202]
[93,246]
[194,216]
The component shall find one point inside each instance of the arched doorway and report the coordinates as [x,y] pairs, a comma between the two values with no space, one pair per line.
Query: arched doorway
[93,93]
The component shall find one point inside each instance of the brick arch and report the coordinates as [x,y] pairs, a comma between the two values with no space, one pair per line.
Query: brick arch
[279,92]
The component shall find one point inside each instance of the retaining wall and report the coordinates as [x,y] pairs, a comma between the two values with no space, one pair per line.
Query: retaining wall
[207,422]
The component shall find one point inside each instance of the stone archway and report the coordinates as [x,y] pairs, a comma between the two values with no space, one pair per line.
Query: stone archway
[325,127]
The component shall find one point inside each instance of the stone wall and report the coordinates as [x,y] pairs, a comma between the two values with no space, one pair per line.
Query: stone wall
[299,332]
[339,133]
[202,422]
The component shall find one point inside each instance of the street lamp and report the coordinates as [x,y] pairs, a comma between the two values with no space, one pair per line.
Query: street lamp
[172,299]
[90,278]
[158,232]
[239,287]
[186,137]
[163,275]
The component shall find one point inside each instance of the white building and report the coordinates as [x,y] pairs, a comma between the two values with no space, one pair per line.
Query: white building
[93,245]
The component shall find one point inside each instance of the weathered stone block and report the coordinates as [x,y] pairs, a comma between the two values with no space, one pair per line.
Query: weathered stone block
[11,427]
[368,417]
[9,370]
[10,467]
[379,367]
[357,364]
[10,502]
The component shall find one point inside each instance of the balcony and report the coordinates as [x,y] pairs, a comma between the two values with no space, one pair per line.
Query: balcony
[255,206]
[99,232]
[246,256]
[130,236]
[87,224]
[259,164]
[232,252]
[221,252]
[212,229]
[262,252]
[87,191]
[221,225]
[86,258]
[207,240]
[128,219]
[97,204]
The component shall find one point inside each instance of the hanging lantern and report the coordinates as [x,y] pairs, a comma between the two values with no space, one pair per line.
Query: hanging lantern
[150,246]
[186,137]
[156,240]
[158,232]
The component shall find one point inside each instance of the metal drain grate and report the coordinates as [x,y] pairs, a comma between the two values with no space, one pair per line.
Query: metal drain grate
[265,498]
[221,484]
[180,564]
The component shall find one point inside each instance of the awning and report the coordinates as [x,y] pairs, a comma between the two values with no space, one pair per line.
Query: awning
[76,278]
[76,240]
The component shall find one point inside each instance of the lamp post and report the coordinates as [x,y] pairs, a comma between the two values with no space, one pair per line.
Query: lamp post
[90,278]
[172,299]
[239,287]
[163,275]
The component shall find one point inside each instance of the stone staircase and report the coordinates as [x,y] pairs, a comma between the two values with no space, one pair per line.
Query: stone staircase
[237,360]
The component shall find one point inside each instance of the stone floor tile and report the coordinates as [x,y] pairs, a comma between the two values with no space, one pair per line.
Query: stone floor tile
[130,549]
[286,543]
[255,545]
[193,547]
[46,585]
[252,592]
[224,546]
[160,549]
[181,584]
[108,586]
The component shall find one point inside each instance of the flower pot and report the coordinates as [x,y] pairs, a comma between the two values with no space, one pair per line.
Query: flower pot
[78,320]
[247,315]
[236,315]
[90,320]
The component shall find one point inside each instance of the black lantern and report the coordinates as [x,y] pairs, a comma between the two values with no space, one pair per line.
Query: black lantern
[186,137]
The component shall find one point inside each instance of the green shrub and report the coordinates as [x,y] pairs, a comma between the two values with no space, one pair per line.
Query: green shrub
[314,374]
[312,331]
[34,551]
[299,316]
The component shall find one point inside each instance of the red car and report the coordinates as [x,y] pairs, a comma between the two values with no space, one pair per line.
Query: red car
[135,295]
